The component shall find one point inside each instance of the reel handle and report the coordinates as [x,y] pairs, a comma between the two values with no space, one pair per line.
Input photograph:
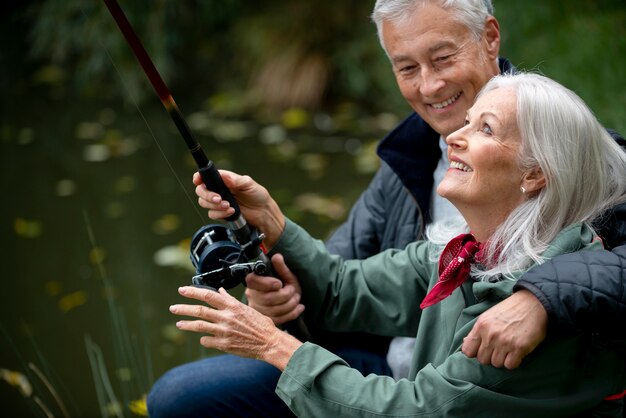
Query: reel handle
[213,181]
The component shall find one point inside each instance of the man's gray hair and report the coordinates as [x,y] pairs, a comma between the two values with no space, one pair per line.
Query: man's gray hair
[471,13]
[584,168]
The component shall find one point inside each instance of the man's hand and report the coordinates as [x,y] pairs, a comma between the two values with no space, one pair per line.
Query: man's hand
[506,333]
[279,300]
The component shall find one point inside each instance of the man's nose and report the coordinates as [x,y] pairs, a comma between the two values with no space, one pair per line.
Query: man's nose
[431,83]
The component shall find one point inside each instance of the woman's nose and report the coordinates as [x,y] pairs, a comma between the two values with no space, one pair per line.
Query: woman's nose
[457,139]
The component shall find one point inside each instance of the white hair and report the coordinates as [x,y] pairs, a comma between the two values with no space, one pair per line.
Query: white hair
[471,13]
[584,168]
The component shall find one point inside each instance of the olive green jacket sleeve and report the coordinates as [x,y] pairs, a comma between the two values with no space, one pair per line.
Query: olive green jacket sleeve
[358,295]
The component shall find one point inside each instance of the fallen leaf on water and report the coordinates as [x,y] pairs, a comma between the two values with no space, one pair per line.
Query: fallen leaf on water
[65,187]
[173,334]
[125,184]
[124,374]
[295,118]
[107,116]
[367,161]
[139,407]
[89,130]
[27,228]
[114,210]
[17,380]
[97,255]
[314,164]
[272,134]
[166,224]
[49,74]
[25,136]
[96,153]
[53,288]
[114,409]
[72,301]
[312,202]
[174,256]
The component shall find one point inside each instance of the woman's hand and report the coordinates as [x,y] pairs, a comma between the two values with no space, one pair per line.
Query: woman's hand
[256,204]
[277,298]
[234,328]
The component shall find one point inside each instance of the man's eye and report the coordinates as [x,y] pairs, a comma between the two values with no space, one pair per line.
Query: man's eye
[443,58]
[407,69]
[486,129]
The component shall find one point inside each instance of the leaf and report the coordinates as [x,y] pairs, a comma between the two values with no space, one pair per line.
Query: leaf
[27,228]
[166,224]
[295,118]
[72,301]
[18,380]
[139,407]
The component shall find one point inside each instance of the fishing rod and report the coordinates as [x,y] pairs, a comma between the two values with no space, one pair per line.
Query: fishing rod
[222,256]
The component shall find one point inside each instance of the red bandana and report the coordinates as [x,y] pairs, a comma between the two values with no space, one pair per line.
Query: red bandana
[454,268]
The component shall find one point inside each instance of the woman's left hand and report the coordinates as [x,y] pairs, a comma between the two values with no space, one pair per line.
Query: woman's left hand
[233,327]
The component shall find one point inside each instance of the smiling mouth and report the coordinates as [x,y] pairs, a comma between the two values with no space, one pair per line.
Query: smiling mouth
[460,166]
[446,102]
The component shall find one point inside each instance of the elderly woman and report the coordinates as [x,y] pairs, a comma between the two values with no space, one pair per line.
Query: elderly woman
[529,171]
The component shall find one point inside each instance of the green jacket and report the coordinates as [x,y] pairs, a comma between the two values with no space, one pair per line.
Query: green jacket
[381,295]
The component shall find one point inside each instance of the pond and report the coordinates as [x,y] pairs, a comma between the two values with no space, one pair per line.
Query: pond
[97,217]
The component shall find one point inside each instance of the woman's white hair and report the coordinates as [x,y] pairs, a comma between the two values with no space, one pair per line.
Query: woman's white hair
[471,13]
[584,168]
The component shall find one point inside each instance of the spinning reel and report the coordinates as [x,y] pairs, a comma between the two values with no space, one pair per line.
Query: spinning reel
[220,261]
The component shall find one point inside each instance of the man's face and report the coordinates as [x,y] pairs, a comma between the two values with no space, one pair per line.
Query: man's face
[439,65]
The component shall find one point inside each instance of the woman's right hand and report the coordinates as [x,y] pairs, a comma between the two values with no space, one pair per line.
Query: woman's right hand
[255,202]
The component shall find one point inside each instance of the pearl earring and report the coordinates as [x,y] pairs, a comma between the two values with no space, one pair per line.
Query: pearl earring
[523,189]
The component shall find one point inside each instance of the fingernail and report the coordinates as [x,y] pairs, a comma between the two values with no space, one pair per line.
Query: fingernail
[216,199]
[179,324]
[173,308]
[182,290]
[277,286]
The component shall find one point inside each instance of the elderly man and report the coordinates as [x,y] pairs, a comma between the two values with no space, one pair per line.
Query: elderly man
[442,53]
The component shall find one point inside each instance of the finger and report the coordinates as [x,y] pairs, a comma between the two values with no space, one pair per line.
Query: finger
[214,299]
[498,356]
[513,360]
[282,270]
[263,283]
[202,327]
[274,310]
[209,199]
[289,316]
[197,311]
[471,343]
[272,297]
[485,352]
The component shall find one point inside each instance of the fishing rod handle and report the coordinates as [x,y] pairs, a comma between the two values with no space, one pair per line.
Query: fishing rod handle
[213,181]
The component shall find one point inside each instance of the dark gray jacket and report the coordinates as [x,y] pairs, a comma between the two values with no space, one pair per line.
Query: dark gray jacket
[583,291]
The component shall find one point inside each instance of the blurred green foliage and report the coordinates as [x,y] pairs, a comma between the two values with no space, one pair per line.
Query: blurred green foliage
[314,53]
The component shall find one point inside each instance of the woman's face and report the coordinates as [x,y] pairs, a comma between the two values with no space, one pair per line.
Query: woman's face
[484,173]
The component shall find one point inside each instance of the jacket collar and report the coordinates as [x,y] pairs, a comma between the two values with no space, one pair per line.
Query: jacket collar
[412,151]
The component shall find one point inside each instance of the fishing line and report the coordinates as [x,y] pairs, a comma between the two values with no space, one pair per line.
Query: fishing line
[154,138]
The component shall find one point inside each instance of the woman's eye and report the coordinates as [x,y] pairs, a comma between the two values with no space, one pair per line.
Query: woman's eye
[486,129]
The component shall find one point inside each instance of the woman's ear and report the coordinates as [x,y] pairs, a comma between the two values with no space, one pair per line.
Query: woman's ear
[533,180]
